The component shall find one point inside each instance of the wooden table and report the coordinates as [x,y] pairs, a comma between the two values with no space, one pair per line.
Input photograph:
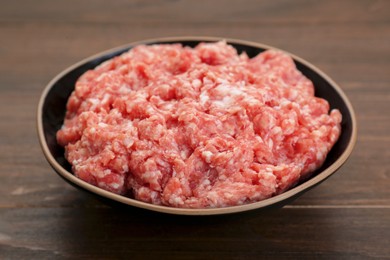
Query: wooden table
[42,217]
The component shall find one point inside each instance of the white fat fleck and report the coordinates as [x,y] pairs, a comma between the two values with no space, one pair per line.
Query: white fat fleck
[213,197]
[251,100]
[226,89]
[319,156]
[192,126]
[196,83]
[128,125]
[223,89]
[122,67]
[74,163]
[222,177]
[311,167]
[102,174]
[276,130]
[267,173]
[153,195]
[317,133]
[206,182]
[186,84]
[333,135]
[168,106]
[103,125]
[207,156]
[270,143]
[94,101]
[105,99]
[164,87]
[203,98]
[114,185]
[150,110]
[228,195]
[183,155]
[151,174]
[236,92]
[258,138]
[284,102]
[222,81]
[128,142]
[176,200]
[125,168]
[101,76]
[226,102]
[321,153]
[124,89]
[293,94]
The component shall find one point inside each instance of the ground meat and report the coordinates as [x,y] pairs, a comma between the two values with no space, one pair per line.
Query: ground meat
[196,127]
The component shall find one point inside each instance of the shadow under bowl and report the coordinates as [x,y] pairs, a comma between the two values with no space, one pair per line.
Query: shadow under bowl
[52,108]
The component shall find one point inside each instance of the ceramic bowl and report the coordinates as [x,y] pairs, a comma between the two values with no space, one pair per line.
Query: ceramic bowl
[51,111]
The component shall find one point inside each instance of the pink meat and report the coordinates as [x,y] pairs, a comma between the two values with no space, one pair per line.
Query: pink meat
[197,127]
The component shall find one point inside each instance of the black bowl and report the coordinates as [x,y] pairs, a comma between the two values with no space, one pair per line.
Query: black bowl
[51,112]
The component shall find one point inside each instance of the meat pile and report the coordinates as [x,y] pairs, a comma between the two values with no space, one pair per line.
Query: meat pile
[196,127]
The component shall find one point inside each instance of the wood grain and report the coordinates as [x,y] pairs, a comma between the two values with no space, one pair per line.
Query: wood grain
[114,233]
[346,217]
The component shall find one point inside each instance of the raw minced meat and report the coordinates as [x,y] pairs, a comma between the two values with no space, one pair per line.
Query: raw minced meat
[196,127]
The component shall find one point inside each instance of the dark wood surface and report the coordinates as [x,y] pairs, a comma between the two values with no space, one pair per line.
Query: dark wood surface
[346,217]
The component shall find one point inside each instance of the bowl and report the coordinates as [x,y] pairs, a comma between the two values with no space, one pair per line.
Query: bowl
[51,112]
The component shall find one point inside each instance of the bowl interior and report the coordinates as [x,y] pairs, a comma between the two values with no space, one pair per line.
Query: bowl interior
[53,105]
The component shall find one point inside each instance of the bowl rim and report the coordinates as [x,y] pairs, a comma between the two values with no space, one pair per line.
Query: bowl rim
[321,176]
